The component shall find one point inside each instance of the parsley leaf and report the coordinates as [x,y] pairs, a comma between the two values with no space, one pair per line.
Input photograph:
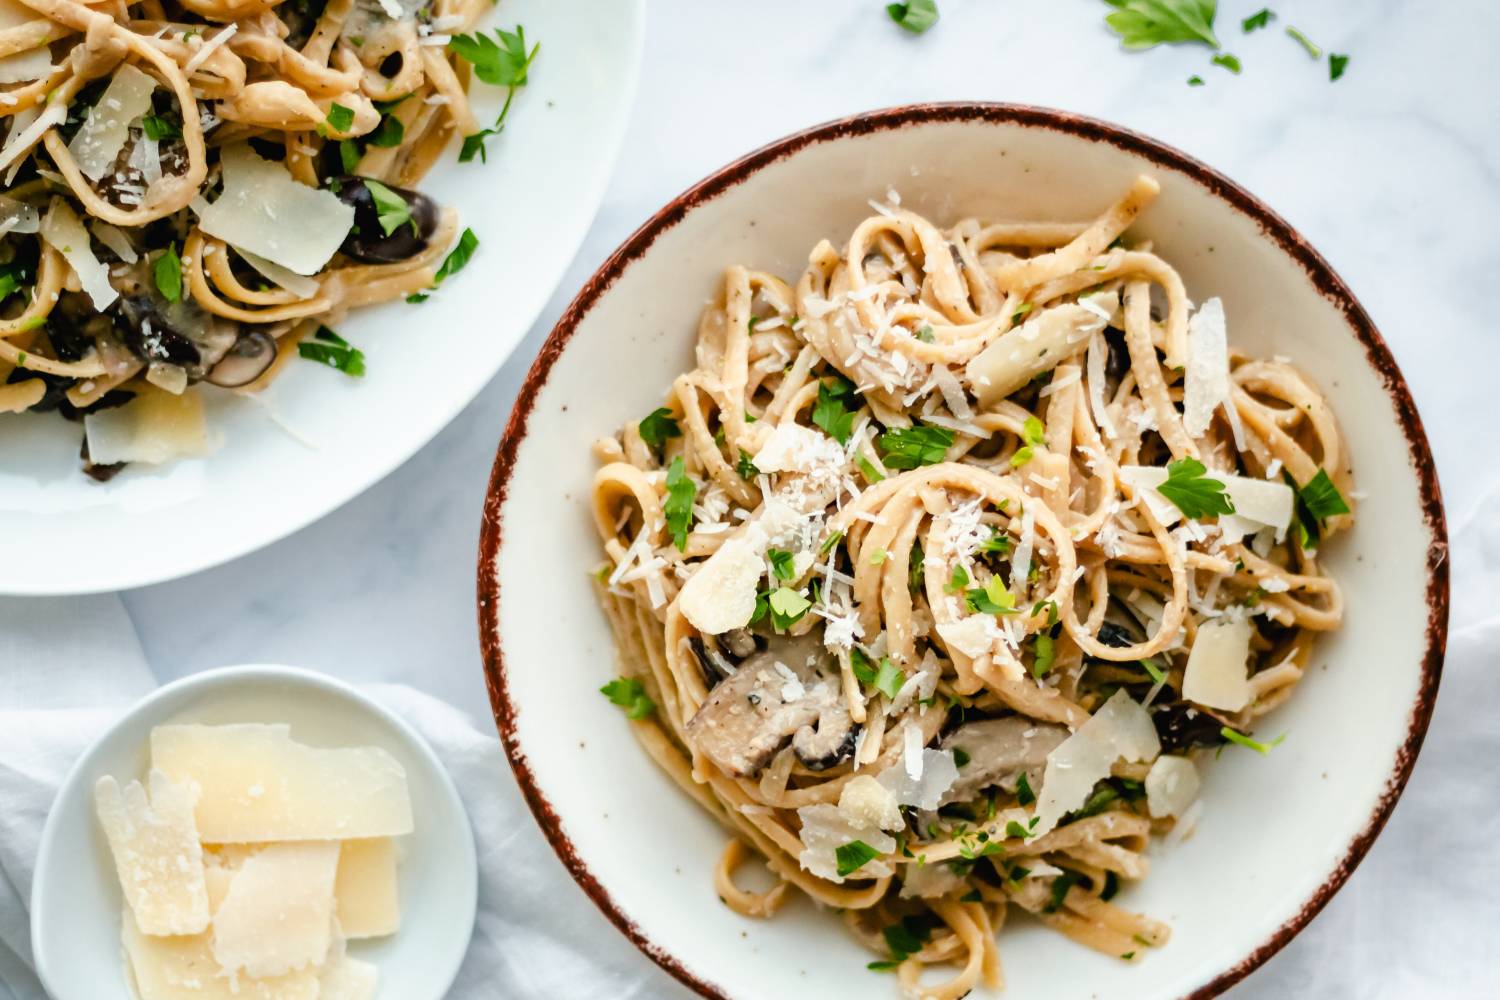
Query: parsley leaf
[745,467]
[1193,492]
[340,119]
[912,447]
[889,679]
[787,607]
[1016,831]
[925,334]
[1313,48]
[658,427]
[1044,655]
[1315,503]
[991,599]
[628,693]
[960,757]
[679,506]
[958,580]
[459,256]
[1336,65]
[853,856]
[781,564]
[1024,794]
[1257,20]
[330,349]
[501,61]
[1229,62]
[168,274]
[1060,886]
[1235,736]
[915,16]
[158,128]
[391,209]
[859,663]
[349,155]
[906,938]
[1034,433]
[998,542]
[1195,80]
[389,134]
[1143,24]
[830,413]
[872,475]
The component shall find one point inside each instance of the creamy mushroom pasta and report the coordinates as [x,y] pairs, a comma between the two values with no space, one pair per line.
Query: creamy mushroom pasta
[934,576]
[196,189]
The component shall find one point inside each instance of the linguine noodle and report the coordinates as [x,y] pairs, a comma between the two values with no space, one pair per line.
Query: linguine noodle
[924,538]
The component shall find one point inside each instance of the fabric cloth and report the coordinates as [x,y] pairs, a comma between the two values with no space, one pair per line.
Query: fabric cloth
[68,668]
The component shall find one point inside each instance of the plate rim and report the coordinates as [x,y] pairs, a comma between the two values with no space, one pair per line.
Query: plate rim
[228,675]
[1273,227]
[610,146]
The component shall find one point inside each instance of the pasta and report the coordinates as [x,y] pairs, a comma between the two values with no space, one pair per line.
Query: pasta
[933,577]
[196,190]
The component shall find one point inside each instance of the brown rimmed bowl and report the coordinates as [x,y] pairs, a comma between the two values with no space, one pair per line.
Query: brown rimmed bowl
[1280,833]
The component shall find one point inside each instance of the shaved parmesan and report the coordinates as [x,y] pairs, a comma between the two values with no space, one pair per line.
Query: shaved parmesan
[26,128]
[115,239]
[972,636]
[869,803]
[1036,346]
[156,851]
[1206,382]
[278,914]
[154,427]
[826,828]
[1257,501]
[1171,786]
[183,968]
[106,129]
[1120,729]
[62,229]
[1215,672]
[929,881]
[258,784]
[346,978]
[792,447]
[1098,355]
[18,217]
[721,595]
[938,773]
[365,888]
[303,288]
[26,67]
[263,210]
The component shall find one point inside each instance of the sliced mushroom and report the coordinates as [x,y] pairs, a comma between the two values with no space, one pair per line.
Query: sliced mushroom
[246,361]
[789,691]
[714,665]
[1000,751]
[179,333]
[1181,725]
[1116,635]
[369,240]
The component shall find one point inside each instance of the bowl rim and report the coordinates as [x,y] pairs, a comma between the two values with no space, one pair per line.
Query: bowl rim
[1273,227]
[218,677]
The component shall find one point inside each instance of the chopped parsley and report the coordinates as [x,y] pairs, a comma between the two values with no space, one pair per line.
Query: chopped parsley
[679,506]
[459,256]
[1024,794]
[158,128]
[628,693]
[829,543]
[958,580]
[340,119]
[1016,831]
[830,411]
[745,467]
[853,856]
[1313,48]
[349,155]
[1195,80]
[889,679]
[1060,886]
[1315,503]
[915,16]
[1021,310]
[787,607]
[330,349]
[925,334]
[960,757]
[1044,655]
[872,474]
[1259,19]
[1336,65]
[1228,61]
[998,542]
[1034,433]
[991,599]
[781,564]
[1155,671]
[657,427]
[912,447]
[864,670]
[168,274]
[391,209]
[1235,736]
[1143,24]
[1191,491]
[878,556]
[389,134]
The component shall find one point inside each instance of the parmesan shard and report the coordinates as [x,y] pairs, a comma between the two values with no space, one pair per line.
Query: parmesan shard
[791,447]
[183,968]
[18,217]
[1171,786]
[936,774]
[265,211]
[62,229]
[154,427]
[721,595]
[157,855]
[1215,673]
[1206,381]
[278,914]
[303,288]
[826,828]
[866,802]
[258,784]
[973,635]
[346,978]
[1036,346]
[26,129]
[106,128]
[1120,729]
[27,65]
[364,889]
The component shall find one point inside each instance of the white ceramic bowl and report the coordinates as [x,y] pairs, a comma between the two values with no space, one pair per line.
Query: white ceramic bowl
[1279,834]
[75,897]
[317,438]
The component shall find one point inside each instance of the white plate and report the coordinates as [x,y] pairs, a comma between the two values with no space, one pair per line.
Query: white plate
[530,207]
[75,897]
[1280,833]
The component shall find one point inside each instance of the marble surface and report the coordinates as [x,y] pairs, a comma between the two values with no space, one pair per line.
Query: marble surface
[1393,173]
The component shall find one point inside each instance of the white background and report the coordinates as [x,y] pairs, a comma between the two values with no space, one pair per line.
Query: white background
[1392,172]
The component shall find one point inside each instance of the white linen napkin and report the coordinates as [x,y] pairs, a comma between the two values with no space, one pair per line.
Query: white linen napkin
[70,667]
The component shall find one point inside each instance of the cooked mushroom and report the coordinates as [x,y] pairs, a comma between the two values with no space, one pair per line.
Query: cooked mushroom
[714,665]
[1182,726]
[789,691]
[370,241]
[246,361]
[1000,751]
[179,333]
[1116,635]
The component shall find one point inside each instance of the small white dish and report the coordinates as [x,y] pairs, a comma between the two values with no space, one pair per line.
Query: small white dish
[1279,833]
[315,439]
[75,896]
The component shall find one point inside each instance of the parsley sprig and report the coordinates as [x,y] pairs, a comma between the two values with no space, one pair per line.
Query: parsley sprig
[1034,433]
[502,61]
[1144,24]
[832,411]
[330,349]
[1316,502]
[629,694]
[167,271]
[681,490]
[915,446]
[1192,491]
[657,427]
